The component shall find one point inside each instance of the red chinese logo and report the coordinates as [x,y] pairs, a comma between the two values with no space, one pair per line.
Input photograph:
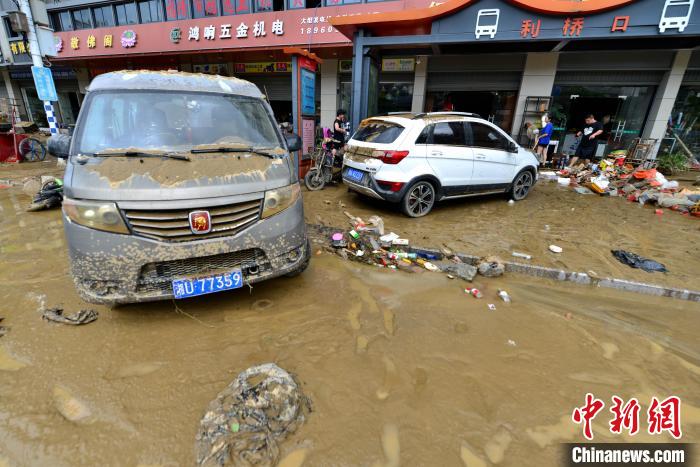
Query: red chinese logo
[530,28]
[662,416]
[572,27]
[620,24]
[200,222]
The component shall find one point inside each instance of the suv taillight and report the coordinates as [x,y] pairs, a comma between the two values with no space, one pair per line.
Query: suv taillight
[390,157]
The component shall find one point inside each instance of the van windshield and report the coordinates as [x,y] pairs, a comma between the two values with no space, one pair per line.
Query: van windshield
[167,121]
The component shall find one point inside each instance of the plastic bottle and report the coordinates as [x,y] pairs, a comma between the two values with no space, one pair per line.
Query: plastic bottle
[521,255]
[504,295]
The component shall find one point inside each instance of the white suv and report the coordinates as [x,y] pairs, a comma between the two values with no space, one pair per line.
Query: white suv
[418,159]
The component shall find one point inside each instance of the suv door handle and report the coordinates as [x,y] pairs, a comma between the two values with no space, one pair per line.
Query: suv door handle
[480,157]
[436,153]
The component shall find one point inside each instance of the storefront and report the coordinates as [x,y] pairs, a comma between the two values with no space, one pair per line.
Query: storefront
[513,61]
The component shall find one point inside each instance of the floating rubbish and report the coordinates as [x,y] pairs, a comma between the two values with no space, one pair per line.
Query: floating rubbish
[70,407]
[504,295]
[247,420]
[80,317]
[464,271]
[492,307]
[430,266]
[354,234]
[511,202]
[474,292]
[635,261]
[512,343]
[555,249]
[521,255]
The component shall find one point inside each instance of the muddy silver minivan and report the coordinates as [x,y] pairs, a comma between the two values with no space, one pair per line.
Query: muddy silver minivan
[178,185]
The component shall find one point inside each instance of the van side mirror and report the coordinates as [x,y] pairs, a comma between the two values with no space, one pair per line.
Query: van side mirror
[59,146]
[293,142]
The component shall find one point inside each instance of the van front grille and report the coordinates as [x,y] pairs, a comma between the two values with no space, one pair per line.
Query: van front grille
[157,277]
[173,225]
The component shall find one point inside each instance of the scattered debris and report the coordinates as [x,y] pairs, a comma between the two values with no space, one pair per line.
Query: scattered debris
[521,255]
[80,317]
[491,267]
[464,271]
[245,422]
[504,295]
[474,292]
[511,202]
[3,329]
[638,262]
[613,177]
[555,249]
[512,343]
[492,307]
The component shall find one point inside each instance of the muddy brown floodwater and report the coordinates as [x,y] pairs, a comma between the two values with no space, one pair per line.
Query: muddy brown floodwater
[401,368]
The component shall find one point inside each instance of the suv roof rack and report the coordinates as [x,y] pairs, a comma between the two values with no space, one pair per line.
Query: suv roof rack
[463,114]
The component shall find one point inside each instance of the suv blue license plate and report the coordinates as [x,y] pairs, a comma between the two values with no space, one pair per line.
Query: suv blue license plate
[354,175]
[184,288]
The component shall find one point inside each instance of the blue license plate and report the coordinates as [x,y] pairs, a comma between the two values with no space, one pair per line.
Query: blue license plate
[184,288]
[354,175]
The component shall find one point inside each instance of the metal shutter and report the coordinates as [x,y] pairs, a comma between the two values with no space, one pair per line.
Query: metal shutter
[612,77]
[474,81]
[279,88]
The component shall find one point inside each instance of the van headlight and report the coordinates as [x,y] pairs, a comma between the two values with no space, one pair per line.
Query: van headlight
[280,199]
[96,215]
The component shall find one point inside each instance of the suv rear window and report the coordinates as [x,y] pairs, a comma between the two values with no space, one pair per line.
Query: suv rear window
[378,131]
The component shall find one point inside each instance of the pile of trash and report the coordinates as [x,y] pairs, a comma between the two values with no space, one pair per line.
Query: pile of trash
[243,425]
[367,242]
[613,177]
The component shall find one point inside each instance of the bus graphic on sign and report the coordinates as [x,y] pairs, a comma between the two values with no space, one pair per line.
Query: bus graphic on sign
[487,23]
[676,15]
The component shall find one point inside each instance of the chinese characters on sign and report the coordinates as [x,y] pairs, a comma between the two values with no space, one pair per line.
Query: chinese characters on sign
[572,27]
[209,32]
[22,47]
[530,28]
[127,40]
[662,416]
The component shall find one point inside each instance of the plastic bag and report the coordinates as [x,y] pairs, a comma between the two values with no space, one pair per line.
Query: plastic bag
[635,261]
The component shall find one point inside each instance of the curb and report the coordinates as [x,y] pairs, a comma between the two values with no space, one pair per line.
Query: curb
[556,274]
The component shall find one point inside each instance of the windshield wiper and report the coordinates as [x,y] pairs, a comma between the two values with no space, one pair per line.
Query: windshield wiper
[259,151]
[168,155]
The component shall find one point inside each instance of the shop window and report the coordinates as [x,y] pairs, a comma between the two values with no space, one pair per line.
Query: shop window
[104,16]
[11,33]
[243,6]
[126,14]
[394,97]
[484,136]
[176,9]
[66,23]
[205,8]
[150,11]
[449,134]
[228,7]
[263,5]
[684,123]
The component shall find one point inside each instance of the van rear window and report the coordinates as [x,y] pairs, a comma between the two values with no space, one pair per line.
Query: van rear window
[378,131]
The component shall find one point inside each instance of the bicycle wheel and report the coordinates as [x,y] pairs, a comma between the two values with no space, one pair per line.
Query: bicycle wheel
[32,150]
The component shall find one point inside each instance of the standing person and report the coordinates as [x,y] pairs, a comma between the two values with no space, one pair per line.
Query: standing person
[339,131]
[589,141]
[543,139]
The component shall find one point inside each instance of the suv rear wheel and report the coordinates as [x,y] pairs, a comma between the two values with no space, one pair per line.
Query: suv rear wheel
[419,199]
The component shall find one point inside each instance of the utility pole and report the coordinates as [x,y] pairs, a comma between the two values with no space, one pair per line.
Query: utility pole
[37,61]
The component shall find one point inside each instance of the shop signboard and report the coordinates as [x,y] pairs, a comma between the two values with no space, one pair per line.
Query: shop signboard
[498,20]
[398,64]
[263,67]
[210,68]
[268,29]
[308,92]
[43,80]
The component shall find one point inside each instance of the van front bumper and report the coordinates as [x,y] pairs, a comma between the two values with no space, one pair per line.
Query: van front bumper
[113,268]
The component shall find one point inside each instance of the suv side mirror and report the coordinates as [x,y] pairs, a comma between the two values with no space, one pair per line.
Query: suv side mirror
[293,142]
[59,146]
[512,147]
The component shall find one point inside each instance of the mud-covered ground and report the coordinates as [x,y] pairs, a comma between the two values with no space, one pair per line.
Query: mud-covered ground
[587,227]
[401,368]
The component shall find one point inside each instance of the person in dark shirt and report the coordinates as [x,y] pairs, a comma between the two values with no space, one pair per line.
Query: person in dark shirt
[589,141]
[338,131]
